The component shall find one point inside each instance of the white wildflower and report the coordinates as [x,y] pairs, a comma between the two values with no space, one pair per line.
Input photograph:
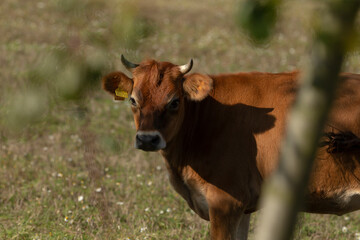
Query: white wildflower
[344,229]
[357,236]
[143,229]
[80,198]
[292,51]
[40,5]
[98,189]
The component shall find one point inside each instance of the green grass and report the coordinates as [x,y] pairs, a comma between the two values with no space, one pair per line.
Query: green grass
[78,177]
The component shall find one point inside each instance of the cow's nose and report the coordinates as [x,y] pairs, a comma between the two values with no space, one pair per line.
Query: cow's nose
[149,141]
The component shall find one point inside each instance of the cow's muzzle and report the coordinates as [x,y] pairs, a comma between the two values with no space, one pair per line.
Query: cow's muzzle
[149,141]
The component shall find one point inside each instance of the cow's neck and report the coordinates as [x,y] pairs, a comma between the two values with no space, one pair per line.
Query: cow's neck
[200,119]
[185,145]
[207,122]
[178,149]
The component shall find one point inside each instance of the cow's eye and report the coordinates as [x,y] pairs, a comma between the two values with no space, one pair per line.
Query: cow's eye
[132,101]
[174,104]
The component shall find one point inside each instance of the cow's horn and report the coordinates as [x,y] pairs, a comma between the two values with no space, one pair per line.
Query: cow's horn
[186,68]
[127,64]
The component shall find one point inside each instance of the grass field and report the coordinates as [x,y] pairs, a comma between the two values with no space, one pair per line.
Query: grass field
[75,174]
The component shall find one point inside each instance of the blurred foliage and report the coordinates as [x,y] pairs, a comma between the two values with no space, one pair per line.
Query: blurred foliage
[258,18]
[69,71]
[132,27]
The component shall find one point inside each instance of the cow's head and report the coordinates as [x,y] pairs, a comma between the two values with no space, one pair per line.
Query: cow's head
[157,92]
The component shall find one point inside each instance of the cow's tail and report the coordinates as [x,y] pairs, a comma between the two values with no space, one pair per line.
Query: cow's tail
[342,142]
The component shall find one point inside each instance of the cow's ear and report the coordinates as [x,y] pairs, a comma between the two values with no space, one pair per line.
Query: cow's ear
[197,86]
[118,85]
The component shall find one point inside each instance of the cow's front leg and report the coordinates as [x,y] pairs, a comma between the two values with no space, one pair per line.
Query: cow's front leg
[222,225]
[225,216]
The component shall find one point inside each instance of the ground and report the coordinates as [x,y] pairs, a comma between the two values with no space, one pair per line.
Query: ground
[74,174]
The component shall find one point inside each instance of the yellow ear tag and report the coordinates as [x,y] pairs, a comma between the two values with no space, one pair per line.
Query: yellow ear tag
[121,93]
[201,85]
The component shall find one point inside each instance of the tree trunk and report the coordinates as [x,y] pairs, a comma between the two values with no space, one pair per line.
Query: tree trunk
[283,194]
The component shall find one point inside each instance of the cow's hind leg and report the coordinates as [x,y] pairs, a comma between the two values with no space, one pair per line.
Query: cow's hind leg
[243,227]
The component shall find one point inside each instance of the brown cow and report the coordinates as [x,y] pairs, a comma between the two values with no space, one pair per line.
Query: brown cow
[220,136]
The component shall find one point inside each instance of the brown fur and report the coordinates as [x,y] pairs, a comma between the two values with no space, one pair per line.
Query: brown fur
[219,148]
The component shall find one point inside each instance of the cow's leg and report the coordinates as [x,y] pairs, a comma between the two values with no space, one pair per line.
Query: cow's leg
[225,214]
[243,227]
[223,224]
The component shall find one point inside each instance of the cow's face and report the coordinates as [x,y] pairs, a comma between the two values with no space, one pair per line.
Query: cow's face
[157,94]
